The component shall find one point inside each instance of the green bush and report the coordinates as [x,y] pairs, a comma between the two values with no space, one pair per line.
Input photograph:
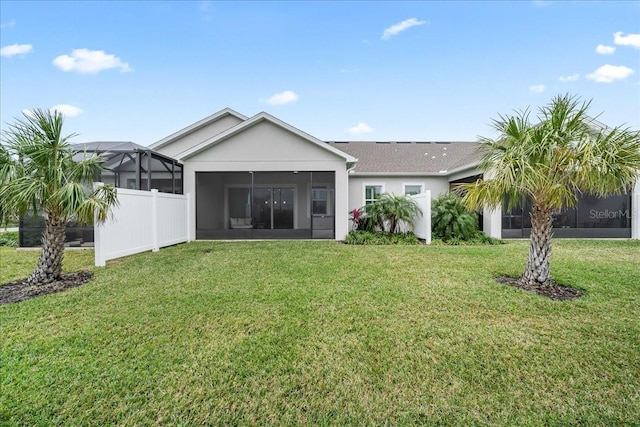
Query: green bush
[451,220]
[9,238]
[359,237]
[386,214]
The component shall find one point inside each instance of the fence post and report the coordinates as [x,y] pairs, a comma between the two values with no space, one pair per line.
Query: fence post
[98,251]
[426,212]
[154,219]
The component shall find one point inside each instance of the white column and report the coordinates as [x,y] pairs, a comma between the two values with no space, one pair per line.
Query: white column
[189,186]
[635,211]
[342,203]
[426,214]
[492,222]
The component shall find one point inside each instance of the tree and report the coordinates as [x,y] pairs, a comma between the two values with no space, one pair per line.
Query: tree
[391,210]
[451,219]
[551,163]
[38,173]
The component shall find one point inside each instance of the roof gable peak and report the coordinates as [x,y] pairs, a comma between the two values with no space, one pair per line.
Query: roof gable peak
[197,125]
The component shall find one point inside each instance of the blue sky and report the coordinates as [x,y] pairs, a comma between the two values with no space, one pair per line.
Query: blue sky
[139,71]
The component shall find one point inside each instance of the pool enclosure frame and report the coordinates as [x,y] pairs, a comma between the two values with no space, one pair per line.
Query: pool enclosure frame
[126,165]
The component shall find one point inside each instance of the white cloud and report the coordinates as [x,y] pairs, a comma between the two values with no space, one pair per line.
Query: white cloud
[282,98]
[571,78]
[9,24]
[605,50]
[89,61]
[632,40]
[536,88]
[360,128]
[15,49]
[67,110]
[608,73]
[397,28]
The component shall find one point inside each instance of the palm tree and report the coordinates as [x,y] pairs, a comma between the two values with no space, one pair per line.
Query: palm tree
[38,173]
[392,210]
[451,219]
[550,163]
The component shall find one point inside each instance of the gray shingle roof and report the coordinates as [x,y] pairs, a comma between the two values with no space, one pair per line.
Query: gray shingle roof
[410,157]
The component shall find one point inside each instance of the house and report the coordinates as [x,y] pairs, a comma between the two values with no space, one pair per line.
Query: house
[261,178]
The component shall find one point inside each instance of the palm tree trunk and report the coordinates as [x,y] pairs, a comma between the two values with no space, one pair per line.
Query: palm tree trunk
[538,270]
[50,262]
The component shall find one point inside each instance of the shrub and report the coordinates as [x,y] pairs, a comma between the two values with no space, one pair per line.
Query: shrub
[450,219]
[386,213]
[359,237]
[9,238]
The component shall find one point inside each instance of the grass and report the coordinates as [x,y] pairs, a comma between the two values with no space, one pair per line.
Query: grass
[255,333]
[18,264]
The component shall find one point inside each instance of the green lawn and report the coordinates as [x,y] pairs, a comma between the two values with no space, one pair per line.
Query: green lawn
[263,333]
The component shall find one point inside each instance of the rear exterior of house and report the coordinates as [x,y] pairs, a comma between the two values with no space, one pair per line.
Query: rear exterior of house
[261,178]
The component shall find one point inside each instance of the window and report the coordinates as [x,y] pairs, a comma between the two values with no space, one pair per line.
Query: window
[372,193]
[321,202]
[412,189]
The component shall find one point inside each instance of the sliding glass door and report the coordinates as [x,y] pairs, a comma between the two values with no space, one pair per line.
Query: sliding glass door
[283,208]
[273,208]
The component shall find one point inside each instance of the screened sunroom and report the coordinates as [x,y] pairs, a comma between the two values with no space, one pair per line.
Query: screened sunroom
[265,205]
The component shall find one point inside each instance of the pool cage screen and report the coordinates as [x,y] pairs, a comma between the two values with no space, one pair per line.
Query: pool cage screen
[125,165]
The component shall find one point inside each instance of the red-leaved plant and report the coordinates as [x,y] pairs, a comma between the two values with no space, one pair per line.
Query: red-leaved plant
[356,217]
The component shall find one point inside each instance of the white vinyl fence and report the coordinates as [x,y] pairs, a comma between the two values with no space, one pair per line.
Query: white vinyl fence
[142,221]
[422,224]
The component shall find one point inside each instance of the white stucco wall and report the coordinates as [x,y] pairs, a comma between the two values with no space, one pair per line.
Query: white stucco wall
[393,184]
[266,147]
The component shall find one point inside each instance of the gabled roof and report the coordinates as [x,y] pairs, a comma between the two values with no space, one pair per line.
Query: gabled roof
[258,118]
[411,157]
[197,125]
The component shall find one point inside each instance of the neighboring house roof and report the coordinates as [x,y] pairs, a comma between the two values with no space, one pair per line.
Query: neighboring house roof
[258,118]
[410,157]
[197,125]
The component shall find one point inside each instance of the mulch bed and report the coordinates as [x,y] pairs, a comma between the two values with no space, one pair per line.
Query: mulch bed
[20,290]
[553,290]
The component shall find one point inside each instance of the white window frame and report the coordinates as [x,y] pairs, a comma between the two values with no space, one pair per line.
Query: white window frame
[412,184]
[329,206]
[371,184]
